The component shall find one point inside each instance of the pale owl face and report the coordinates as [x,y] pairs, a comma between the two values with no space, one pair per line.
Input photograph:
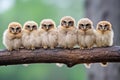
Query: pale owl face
[30,26]
[67,22]
[104,26]
[85,24]
[47,24]
[15,28]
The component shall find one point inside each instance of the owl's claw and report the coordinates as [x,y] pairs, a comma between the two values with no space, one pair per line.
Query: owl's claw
[45,47]
[82,48]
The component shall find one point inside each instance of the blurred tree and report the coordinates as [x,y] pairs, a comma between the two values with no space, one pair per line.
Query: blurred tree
[109,10]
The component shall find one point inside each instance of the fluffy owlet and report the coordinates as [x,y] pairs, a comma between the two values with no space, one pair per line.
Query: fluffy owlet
[86,35]
[12,36]
[30,37]
[49,34]
[67,33]
[104,35]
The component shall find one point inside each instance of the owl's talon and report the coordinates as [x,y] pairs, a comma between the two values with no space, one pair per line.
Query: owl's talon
[45,47]
[9,49]
[33,48]
[81,48]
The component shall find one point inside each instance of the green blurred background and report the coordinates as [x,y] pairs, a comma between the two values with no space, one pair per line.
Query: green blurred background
[24,10]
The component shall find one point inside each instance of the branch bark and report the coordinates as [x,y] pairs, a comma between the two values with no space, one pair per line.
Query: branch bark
[66,56]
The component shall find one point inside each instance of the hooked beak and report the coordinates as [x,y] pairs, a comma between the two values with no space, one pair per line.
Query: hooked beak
[67,26]
[31,29]
[47,28]
[84,28]
[15,31]
[102,28]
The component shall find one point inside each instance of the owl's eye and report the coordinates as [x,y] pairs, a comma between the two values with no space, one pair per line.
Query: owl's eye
[64,22]
[81,25]
[44,25]
[34,26]
[50,25]
[12,28]
[28,26]
[88,26]
[106,25]
[17,28]
[70,23]
[100,26]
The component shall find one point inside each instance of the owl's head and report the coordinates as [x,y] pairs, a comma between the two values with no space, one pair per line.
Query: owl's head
[85,24]
[104,26]
[30,26]
[47,24]
[67,22]
[15,27]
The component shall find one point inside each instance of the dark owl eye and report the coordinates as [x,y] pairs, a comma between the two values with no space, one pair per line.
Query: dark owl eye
[88,26]
[12,28]
[106,25]
[44,25]
[70,23]
[28,26]
[50,25]
[81,25]
[34,26]
[100,26]
[17,28]
[64,22]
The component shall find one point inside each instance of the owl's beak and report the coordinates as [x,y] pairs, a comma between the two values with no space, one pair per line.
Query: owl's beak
[31,29]
[67,25]
[102,28]
[15,30]
[84,28]
[47,27]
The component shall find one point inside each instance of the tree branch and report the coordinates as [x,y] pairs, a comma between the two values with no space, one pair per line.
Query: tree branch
[66,56]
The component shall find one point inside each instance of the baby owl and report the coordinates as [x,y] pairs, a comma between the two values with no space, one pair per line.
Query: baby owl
[49,34]
[12,36]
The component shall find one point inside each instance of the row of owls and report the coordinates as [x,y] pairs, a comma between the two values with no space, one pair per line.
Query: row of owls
[66,35]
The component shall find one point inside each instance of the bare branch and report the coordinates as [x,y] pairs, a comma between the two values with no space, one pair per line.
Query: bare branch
[66,56]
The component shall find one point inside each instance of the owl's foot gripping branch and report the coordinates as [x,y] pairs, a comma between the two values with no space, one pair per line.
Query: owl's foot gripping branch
[58,55]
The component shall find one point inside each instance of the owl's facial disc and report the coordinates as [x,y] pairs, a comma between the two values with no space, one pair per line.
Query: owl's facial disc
[15,29]
[67,24]
[47,27]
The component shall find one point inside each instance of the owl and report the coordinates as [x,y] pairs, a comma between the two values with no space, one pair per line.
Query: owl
[104,35]
[30,37]
[86,33]
[49,34]
[12,36]
[67,33]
